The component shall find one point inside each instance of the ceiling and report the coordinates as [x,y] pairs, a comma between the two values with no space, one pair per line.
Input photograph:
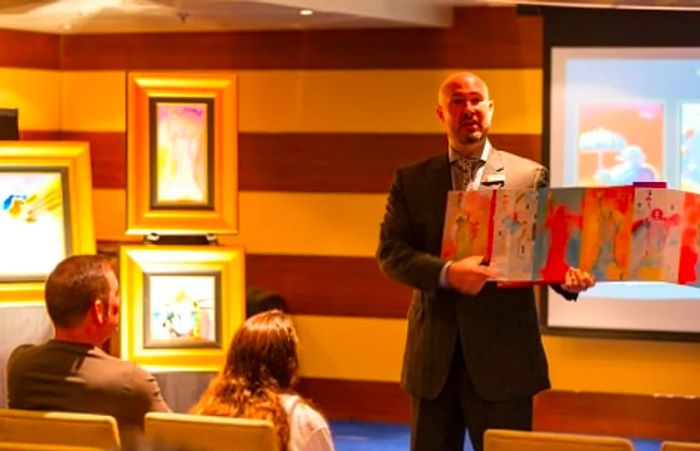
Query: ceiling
[124,16]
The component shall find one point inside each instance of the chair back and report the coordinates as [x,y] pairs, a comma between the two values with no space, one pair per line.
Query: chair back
[58,428]
[680,446]
[503,440]
[210,433]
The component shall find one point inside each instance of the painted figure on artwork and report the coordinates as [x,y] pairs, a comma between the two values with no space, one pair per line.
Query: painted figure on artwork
[561,225]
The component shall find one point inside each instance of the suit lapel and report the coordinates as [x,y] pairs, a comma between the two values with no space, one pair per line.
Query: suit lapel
[494,163]
[494,170]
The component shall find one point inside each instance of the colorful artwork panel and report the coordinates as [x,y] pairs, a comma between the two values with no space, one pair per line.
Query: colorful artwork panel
[467,220]
[689,267]
[656,234]
[183,152]
[181,310]
[33,223]
[515,216]
[607,221]
[558,233]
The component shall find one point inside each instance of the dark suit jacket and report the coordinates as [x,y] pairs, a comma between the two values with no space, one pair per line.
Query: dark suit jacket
[498,328]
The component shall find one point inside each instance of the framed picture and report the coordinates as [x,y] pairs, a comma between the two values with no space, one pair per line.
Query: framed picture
[180,305]
[45,212]
[182,154]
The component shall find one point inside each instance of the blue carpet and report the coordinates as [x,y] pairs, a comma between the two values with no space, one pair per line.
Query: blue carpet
[362,436]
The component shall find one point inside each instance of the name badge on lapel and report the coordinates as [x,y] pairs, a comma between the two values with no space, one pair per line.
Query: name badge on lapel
[494,180]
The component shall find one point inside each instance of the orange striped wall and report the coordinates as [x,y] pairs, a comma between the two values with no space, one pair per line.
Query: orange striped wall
[321,128]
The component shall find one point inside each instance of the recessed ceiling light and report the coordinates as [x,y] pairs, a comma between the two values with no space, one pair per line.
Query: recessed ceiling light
[306,12]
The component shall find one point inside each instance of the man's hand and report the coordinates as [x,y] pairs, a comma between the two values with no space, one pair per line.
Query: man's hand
[469,275]
[577,280]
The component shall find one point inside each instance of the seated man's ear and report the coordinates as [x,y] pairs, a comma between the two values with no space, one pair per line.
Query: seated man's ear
[98,311]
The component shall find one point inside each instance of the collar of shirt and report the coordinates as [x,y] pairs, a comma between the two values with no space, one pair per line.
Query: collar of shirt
[476,183]
[485,152]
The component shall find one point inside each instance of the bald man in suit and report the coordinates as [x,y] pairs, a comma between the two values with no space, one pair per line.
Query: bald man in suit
[474,357]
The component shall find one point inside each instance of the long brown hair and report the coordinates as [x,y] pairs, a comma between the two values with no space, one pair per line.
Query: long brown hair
[262,362]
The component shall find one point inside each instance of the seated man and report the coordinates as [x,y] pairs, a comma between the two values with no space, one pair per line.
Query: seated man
[71,372]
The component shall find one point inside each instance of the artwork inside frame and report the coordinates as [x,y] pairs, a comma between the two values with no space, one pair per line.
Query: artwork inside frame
[34,219]
[180,305]
[182,153]
[182,310]
[45,212]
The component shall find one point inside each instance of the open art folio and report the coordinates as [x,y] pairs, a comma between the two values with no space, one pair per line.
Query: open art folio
[616,233]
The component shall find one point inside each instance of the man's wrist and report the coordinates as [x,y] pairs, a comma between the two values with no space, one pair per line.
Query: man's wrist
[444,283]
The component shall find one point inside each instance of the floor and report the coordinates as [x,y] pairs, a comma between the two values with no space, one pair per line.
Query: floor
[361,436]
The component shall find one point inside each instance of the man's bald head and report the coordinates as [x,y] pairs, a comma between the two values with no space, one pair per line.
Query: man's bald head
[465,109]
[459,80]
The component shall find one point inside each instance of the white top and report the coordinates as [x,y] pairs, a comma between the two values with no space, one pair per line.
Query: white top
[308,430]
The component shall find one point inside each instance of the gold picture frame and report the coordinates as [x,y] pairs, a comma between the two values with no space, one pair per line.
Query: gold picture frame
[45,212]
[180,305]
[182,160]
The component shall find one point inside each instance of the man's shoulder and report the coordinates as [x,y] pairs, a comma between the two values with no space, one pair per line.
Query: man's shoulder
[424,164]
[23,352]
[124,368]
[511,160]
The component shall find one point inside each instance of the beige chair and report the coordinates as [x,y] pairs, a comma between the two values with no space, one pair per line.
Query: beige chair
[680,446]
[502,440]
[201,432]
[58,428]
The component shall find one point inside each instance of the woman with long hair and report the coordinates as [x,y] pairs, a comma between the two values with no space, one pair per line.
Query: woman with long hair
[256,382]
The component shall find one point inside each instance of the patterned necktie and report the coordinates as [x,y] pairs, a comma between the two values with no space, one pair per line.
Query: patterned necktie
[464,172]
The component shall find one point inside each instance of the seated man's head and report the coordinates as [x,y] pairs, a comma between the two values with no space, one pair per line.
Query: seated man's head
[82,298]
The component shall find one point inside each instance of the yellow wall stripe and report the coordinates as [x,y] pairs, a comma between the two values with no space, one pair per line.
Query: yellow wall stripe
[37,94]
[624,366]
[327,101]
[371,349]
[94,101]
[278,222]
[351,348]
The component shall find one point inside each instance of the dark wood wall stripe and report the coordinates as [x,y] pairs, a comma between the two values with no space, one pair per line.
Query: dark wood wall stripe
[329,286]
[348,163]
[469,43]
[358,400]
[622,415]
[300,162]
[29,50]
[645,416]
[41,135]
[107,152]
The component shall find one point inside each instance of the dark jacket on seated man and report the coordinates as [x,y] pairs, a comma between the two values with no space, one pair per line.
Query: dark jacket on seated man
[76,377]
[71,372]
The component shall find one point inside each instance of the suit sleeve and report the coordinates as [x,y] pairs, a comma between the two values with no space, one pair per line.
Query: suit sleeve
[542,181]
[147,392]
[398,253]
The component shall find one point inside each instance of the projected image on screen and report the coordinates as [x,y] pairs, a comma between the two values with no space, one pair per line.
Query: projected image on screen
[619,143]
[618,116]
[690,147]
